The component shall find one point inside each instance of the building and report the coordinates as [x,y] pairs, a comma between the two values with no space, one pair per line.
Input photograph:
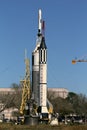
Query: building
[6,91]
[9,113]
[58,92]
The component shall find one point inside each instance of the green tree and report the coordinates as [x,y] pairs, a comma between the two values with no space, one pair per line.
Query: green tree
[79,103]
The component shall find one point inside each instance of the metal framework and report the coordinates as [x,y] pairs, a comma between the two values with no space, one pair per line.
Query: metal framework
[25,86]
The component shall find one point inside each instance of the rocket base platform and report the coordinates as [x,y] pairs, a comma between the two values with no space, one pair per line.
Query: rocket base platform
[31,120]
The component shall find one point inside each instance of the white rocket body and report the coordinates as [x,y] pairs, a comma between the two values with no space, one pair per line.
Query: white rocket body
[39,70]
[43,76]
[35,62]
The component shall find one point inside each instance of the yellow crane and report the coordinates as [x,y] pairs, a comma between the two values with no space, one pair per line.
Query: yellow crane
[78,60]
[25,85]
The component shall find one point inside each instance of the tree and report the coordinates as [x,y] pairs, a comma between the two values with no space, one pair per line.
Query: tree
[60,105]
[74,103]
[79,103]
[12,99]
[17,95]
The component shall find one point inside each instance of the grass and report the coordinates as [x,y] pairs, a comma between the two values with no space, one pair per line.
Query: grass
[42,127]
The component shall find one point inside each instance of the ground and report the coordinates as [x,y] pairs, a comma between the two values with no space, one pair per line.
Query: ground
[42,127]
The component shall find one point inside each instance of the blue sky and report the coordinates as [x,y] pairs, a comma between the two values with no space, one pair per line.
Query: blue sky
[65,35]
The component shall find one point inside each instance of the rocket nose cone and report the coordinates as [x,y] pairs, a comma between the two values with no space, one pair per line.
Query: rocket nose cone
[43,45]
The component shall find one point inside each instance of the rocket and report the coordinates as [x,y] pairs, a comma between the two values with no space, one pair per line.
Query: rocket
[39,69]
[35,61]
[43,76]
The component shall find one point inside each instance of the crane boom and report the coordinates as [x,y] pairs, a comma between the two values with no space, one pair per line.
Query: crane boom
[82,60]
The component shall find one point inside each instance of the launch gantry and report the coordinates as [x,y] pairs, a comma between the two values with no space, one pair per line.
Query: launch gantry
[25,86]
